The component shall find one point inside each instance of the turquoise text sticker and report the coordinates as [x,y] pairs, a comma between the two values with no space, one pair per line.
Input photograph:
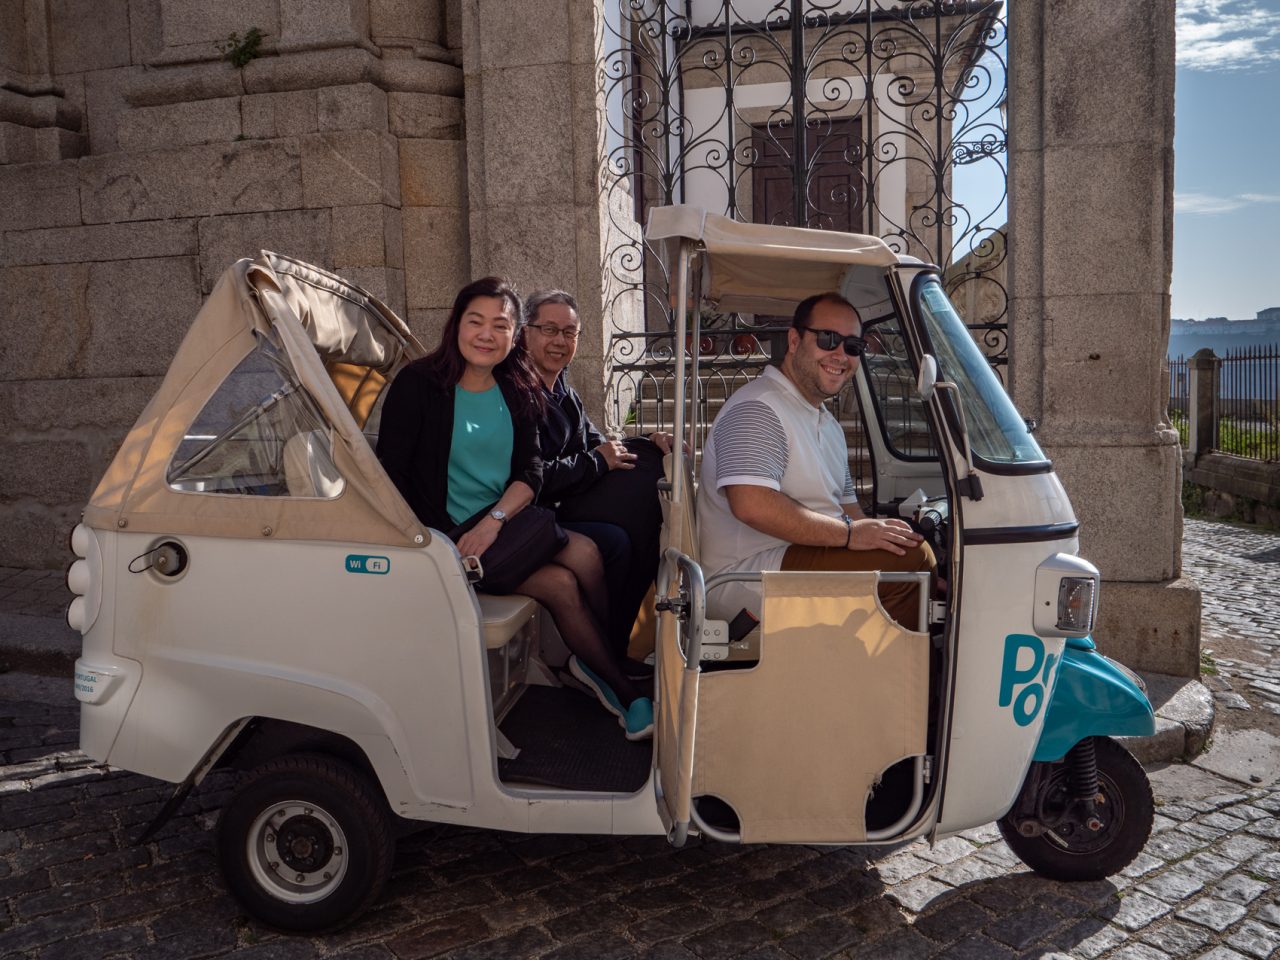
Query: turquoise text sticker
[356,563]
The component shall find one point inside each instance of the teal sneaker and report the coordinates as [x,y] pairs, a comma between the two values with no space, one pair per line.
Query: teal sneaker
[638,723]
[604,693]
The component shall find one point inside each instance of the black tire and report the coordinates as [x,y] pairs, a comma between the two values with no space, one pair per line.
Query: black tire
[306,844]
[1070,851]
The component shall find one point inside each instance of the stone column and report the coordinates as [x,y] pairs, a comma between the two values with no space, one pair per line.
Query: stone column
[1204,369]
[1091,214]
[37,121]
[535,149]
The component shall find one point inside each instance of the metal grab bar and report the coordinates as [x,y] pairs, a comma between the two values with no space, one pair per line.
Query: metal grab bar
[691,606]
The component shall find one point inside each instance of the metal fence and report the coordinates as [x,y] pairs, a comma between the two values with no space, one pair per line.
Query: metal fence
[850,115]
[1247,402]
[1248,407]
[1179,397]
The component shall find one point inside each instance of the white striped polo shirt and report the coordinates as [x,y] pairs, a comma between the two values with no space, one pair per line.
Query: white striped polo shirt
[766,435]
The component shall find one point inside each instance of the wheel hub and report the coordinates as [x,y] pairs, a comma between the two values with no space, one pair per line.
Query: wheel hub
[297,851]
[304,844]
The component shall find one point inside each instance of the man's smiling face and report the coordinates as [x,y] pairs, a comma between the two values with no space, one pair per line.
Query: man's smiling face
[821,374]
[552,353]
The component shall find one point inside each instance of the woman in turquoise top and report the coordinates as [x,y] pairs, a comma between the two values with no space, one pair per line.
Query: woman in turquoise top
[459,439]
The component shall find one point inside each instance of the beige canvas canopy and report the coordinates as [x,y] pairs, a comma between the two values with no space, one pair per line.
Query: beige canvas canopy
[764,269]
[340,344]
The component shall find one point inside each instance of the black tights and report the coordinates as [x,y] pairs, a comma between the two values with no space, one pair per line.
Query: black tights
[572,588]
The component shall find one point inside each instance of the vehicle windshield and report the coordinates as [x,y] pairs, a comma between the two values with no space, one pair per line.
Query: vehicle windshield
[996,431]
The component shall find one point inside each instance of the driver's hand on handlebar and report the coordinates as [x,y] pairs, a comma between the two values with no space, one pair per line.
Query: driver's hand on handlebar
[893,535]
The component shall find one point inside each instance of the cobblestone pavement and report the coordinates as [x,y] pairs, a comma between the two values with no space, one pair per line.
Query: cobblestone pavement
[73,885]
[1238,570]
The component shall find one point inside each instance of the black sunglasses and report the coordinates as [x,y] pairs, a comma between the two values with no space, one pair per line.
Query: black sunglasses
[830,339]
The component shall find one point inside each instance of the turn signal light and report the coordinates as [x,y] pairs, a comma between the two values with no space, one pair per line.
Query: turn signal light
[1076,604]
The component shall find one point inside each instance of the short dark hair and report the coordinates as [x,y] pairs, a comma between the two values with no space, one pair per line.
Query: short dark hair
[541,298]
[803,312]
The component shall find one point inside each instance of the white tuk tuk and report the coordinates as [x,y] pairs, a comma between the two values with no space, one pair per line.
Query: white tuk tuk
[254,592]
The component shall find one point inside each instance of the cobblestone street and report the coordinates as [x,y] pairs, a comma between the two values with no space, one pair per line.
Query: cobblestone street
[72,884]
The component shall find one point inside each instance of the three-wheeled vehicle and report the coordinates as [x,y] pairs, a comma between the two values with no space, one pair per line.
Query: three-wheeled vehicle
[253,592]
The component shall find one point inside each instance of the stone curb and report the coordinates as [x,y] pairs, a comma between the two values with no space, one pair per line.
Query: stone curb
[1184,707]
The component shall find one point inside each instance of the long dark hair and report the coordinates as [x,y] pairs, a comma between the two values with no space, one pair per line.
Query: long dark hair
[515,371]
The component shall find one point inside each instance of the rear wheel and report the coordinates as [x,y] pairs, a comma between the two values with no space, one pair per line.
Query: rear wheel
[1058,833]
[306,844]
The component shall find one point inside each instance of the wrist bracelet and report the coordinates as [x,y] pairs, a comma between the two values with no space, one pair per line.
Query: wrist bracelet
[848,526]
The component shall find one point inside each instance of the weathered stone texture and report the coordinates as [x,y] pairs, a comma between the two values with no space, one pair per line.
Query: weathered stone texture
[542,39]
[39,195]
[179,124]
[195,181]
[356,106]
[350,168]
[111,241]
[49,471]
[188,22]
[392,20]
[268,115]
[52,317]
[425,115]
[303,23]
[303,234]
[526,114]
[88,34]
[90,406]
[34,535]
[1151,626]
[433,173]
[1126,498]
[367,236]
[436,257]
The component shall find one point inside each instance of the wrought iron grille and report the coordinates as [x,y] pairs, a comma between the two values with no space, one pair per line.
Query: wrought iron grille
[834,114]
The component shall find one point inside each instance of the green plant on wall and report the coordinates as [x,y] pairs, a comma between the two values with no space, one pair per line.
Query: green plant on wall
[240,50]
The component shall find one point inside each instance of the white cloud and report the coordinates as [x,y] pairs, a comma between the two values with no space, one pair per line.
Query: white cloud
[1227,34]
[1207,203]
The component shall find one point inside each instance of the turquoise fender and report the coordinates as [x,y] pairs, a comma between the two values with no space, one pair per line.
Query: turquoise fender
[1091,698]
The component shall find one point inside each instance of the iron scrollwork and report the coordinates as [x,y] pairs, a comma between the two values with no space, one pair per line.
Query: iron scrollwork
[833,114]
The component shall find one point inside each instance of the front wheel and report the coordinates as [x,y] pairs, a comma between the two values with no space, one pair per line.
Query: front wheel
[306,845]
[1055,829]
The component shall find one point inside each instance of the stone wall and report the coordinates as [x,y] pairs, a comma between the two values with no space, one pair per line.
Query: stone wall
[136,164]
[1091,216]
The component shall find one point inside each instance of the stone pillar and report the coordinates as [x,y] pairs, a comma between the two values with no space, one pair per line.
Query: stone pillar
[1204,370]
[535,149]
[1091,214]
[37,121]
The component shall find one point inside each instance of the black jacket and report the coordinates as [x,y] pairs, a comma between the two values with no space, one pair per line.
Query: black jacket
[416,433]
[567,438]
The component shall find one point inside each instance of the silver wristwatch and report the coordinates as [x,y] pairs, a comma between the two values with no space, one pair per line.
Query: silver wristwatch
[499,515]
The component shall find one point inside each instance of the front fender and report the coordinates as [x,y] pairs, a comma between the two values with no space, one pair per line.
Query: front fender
[1092,698]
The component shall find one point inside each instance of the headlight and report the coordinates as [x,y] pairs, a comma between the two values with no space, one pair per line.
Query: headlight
[1075,604]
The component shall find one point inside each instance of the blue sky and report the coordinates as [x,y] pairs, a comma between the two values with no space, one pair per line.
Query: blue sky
[1226,241]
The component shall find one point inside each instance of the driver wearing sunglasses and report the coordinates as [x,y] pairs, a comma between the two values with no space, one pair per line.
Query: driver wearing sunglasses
[776,491]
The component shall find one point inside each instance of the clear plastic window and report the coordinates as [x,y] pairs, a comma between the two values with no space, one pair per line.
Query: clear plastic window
[893,390]
[259,435]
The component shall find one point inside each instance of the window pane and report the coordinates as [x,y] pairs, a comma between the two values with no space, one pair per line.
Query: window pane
[259,435]
[893,388]
[996,431]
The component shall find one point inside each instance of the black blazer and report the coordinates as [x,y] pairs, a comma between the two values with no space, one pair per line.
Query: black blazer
[568,437]
[416,434]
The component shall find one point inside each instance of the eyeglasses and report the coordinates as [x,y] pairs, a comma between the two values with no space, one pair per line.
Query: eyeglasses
[570,334]
[830,339]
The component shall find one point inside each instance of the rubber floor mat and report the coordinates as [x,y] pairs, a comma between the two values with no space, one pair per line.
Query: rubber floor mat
[568,740]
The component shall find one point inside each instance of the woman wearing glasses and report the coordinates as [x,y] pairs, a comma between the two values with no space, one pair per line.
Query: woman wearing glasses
[606,489]
[776,492]
[459,438]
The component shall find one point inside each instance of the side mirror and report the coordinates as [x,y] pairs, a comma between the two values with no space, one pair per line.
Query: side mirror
[928,376]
